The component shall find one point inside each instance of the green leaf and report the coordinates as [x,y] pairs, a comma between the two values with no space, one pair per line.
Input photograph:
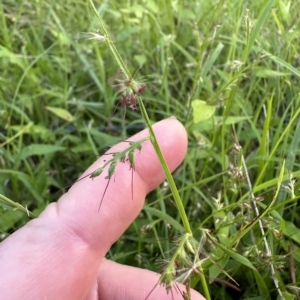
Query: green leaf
[152,6]
[287,296]
[61,113]
[262,17]
[282,62]
[42,132]
[291,231]
[211,60]
[231,120]
[81,148]
[181,49]
[12,57]
[267,73]
[238,257]
[141,59]
[244,261]
[25,179]
[202,111]
[248,227]
[10,217]
[39,149]
[285,10]
[216,269]
[187,14]
[209,124]
[165,217]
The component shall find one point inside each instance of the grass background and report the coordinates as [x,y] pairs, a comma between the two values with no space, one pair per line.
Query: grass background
[242,57]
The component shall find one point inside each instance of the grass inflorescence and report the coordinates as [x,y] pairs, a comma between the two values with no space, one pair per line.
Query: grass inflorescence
[227,222]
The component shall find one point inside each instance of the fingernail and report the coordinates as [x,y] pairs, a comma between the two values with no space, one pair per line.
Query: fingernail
[172,117]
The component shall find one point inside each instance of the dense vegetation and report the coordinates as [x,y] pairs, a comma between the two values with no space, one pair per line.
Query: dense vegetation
[238,182]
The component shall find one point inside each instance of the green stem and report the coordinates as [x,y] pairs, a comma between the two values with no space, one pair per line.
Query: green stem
[203,282]
[165,167]
[153,139]
[111,45]
[7,202]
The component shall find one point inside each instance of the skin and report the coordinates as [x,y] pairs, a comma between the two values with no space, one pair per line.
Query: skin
[60,254]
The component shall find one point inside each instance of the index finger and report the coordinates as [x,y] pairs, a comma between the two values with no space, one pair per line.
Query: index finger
[126,190]
[58,255]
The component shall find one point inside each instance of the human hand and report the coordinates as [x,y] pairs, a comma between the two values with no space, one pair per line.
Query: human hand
[60,254]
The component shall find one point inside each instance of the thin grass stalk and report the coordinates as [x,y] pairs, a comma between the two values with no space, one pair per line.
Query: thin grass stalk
[145,116]
[166,169]
[15,205]
[267,246]
[111,45]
